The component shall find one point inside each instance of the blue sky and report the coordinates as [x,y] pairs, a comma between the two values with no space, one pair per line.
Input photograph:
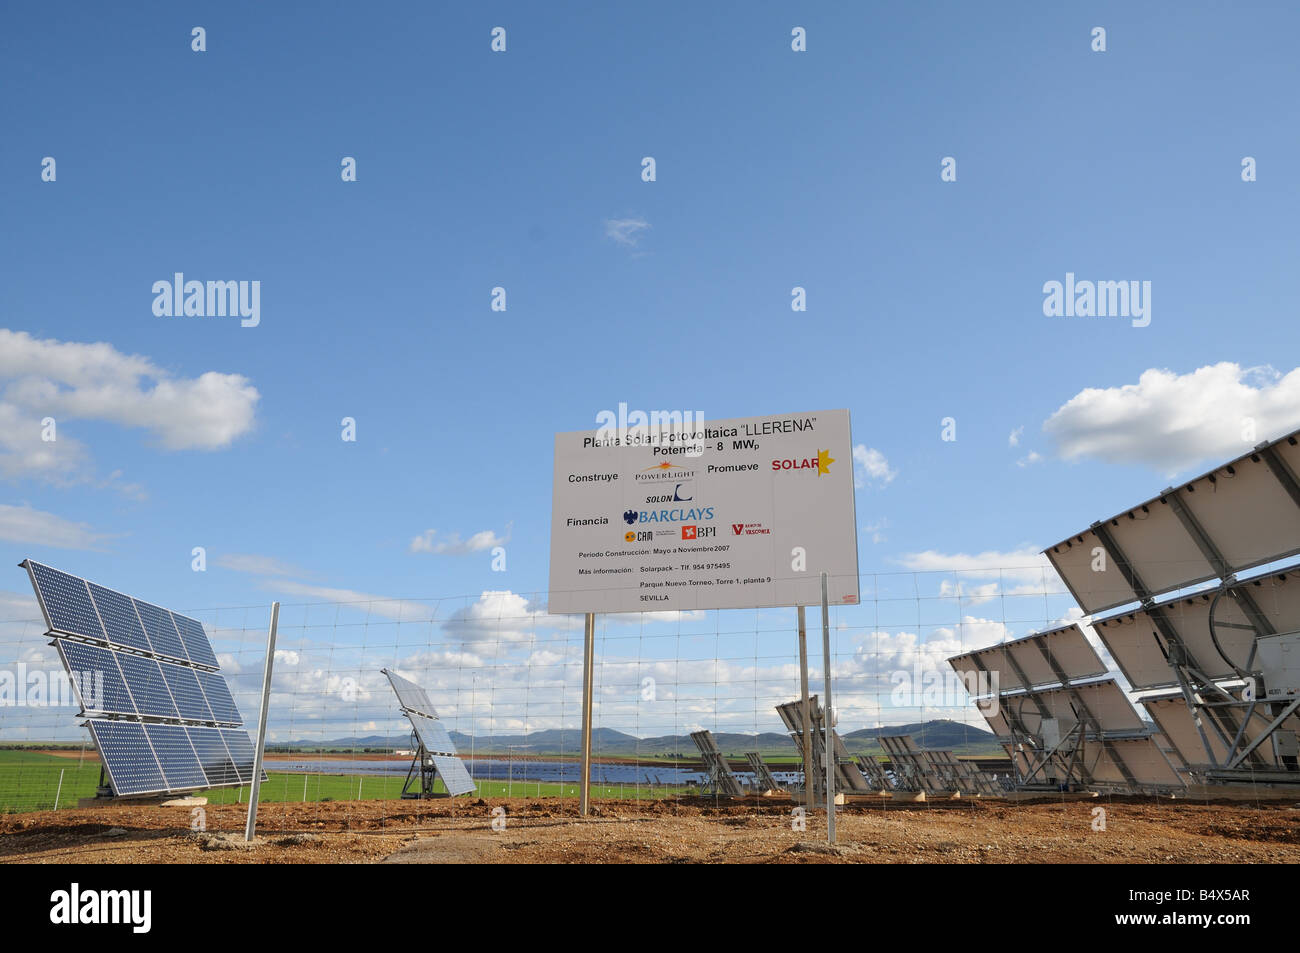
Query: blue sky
[522,169]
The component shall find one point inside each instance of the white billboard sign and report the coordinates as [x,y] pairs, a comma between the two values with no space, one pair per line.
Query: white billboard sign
[727,514]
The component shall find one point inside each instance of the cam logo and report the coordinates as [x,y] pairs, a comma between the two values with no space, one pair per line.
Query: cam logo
[629,536]
[820,463]
[629,516]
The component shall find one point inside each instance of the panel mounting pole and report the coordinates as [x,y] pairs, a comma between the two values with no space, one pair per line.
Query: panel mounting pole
[588,658]
[251,827]
[828,717]
[805,736]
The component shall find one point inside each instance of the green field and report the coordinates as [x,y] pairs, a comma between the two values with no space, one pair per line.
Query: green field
[29,781]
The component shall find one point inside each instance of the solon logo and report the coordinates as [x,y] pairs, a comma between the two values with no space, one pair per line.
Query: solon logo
[819,464]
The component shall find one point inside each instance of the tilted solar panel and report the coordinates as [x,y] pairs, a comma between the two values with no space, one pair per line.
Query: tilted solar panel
[162,632]
[180,765]
[195,640]
[410,695]
[1044,658]
[95,677]
[241,751]
[219,699]
[213,756]
[148,689]
[65,602]
[121,624]
[1240,515]
[432,734]
[127,757]
[454,776]
[184,685]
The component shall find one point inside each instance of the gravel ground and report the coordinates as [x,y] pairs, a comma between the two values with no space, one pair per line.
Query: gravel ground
[550,831]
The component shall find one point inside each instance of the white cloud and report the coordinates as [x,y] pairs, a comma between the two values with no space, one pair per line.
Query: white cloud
[1014,439]
[454,545]
[22,524]
[258,565]
[625,231]
[1171,421]
[872,467]
[404,610]
[1029,459]
[976,578]
[71,381]
[877,530]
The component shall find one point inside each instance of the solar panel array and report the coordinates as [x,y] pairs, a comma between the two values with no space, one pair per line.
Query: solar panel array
[148,682]
[432,734]
[1239,516]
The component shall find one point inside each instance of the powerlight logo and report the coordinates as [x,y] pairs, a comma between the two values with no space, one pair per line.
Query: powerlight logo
[213,299]
[102,907]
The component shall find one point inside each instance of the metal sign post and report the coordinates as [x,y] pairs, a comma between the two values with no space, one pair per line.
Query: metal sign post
[809,769]
[251,827]
[828,718]
[588,658]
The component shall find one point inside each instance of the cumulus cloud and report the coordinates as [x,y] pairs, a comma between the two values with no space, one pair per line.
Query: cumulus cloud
[23,524]
[1029,459]
[70,381]
[976,578]
[872,467]
[1171,421]
[1014,439]
[625,231]
[455,546]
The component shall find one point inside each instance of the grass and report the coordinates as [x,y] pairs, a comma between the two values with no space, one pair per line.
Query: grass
[29,781]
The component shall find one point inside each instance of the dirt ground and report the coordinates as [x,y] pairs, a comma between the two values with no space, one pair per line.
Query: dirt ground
[758,831]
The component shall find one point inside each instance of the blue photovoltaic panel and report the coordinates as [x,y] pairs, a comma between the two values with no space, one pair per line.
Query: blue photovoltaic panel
[219,700]
[213,756]
[180,765]
[454,776]
[240,747]
[67,602]
[184,685]
[145,683]
[410,695]
[433,734]
[125,752]
[120,621]
[196,640]
[162,632]
[95,677]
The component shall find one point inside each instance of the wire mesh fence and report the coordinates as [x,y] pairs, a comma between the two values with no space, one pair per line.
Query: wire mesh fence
[506,679]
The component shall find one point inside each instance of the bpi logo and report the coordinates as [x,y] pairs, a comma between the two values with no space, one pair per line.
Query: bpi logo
[698,532]
[688,532]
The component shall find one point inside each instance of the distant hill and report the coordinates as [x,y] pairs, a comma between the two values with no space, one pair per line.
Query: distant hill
[609,743]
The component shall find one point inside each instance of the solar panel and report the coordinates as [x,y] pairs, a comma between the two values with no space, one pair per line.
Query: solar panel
[432,734]
[95,678]
[219,699]
[1057,655]
[184,685]
[410,695]
[162,632]
[127,757]
[1243,514]
[1127,761]
[1101,703]
[65,602]
[180,765]
[145,683]
[195,640]
[454,776]
[213,756]
[1135,640]
[241,751]
[121,624]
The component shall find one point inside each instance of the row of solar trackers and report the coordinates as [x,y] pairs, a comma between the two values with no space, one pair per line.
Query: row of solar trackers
[153,758]
[76,607]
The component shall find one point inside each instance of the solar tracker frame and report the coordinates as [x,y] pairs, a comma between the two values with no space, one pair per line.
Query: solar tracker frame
[1131,637]
[1240,515]
[1054,656]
